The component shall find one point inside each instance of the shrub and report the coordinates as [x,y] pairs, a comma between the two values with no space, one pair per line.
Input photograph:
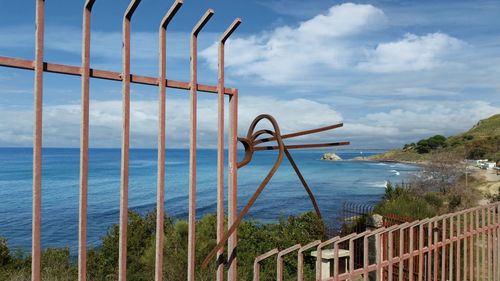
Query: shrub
[4,252]
[254,239]
[432,143]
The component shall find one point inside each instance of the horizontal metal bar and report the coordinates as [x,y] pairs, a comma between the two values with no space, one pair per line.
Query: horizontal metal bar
[107,75]
[302,133]
[266,255]
[298,146]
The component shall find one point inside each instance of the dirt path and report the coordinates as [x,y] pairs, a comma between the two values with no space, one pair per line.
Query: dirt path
[490,181]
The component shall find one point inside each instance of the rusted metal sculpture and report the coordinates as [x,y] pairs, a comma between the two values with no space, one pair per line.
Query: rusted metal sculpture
[251,144]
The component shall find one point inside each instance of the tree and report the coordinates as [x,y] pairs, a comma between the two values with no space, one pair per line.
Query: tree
[432,143]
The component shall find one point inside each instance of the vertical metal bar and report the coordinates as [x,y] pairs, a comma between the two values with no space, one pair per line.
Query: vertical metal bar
[122,250]
[256,271]
[477,247]
[459,251]
[160,193]
[390,252]
[497,250]
[496,216]
[319,255]
[279,268]
[483,243]
[336,249]
[37,143]
[401,253]
[300,259]
[471,244]
[378,257]
[420,252]
[429,250]
[493,245]
[192,144]
[232,184]
[451,264]
[279,260]
[489,248]
[412,258]
[365,258]
[256,263]
[220,148]
[436,251]
[84,143]
[466,264]
[443,250]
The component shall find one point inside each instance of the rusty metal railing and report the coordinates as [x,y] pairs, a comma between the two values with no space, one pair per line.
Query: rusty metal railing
[39,66]
[458,246]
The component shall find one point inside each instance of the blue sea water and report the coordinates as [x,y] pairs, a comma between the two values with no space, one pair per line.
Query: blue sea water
[332,183]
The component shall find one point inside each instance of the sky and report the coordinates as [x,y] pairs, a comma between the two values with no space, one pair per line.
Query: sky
[392,71]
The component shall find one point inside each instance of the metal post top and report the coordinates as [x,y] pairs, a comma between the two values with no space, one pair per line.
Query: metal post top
[230,30]
[89,4]
[202,22]
[131,9]
[171,13]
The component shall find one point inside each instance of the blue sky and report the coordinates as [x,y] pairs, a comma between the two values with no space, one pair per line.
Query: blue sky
[392,71]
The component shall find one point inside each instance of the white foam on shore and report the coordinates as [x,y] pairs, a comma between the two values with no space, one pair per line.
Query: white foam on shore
[379,184]
[395,172]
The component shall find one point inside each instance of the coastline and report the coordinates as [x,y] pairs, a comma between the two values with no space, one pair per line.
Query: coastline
[376,159]
[486,182]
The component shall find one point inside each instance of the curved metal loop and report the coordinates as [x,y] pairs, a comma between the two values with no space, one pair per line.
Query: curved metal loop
[259,190]
[250,142]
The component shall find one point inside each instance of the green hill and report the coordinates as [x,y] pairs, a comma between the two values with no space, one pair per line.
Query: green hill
[480,142]
[486,128]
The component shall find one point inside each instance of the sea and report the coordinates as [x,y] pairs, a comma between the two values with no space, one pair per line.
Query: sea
[332,182]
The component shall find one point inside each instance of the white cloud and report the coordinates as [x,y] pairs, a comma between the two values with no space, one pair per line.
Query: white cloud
[411,53]
[62,122]
[106,46]
[413,122]
[286,53]
[380,129]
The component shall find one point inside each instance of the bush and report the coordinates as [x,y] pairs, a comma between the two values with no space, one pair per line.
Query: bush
[4,252]
[254,239]
[432,143]
[394,191]
[408,205]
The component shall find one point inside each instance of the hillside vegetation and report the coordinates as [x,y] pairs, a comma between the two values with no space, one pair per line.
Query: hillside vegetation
[480,142]
[102,265]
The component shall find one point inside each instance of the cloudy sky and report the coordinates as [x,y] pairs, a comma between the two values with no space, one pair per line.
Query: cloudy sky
[393,71]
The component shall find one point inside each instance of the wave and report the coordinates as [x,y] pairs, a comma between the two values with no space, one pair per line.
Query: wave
[377,184]
[396,173]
